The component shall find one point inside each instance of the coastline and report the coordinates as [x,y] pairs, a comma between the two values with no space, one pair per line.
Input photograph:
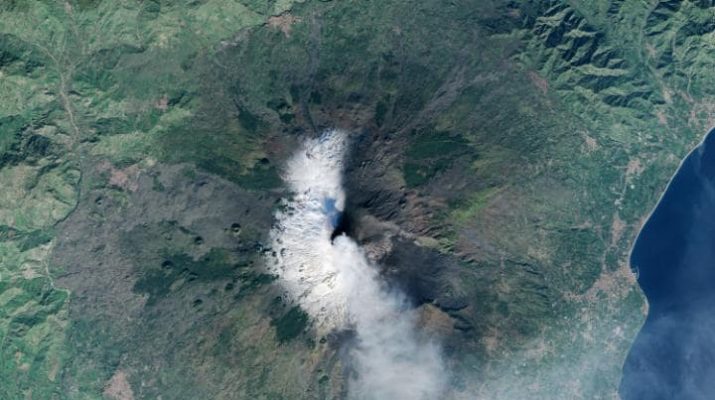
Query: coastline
[709,132]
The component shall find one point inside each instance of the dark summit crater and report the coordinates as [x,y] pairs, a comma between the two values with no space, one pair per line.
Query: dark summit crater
[343,225]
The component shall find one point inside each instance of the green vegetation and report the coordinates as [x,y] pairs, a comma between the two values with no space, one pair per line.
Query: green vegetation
[290,325]
[430,153]
[474,206]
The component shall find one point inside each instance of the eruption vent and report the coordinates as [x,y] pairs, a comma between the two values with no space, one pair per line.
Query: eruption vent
[333,280]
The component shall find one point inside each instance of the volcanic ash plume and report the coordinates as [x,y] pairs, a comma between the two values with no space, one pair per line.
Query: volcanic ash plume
[337,285]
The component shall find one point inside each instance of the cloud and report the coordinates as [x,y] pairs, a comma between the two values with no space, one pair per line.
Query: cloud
[340,288]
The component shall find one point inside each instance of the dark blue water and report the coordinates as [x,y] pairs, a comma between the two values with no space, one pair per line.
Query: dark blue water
[673,356]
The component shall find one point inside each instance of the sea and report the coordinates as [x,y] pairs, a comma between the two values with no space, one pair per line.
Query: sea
[673,356]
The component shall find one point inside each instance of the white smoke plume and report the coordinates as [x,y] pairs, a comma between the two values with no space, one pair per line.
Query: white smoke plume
[339,287]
